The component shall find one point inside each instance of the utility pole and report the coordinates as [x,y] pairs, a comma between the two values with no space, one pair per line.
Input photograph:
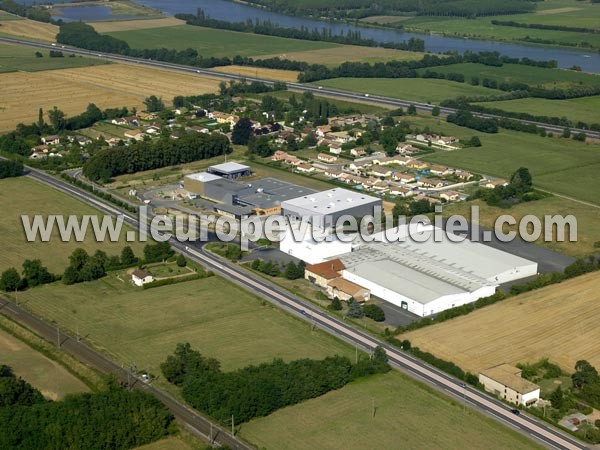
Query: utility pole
[232,426]
[58,337]
[16,297]
[373,408]
[210,436]
[355,354]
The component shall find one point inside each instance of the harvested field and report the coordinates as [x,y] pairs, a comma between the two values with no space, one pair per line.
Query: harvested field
[545,12]
[113,85]
[269,74]
[49,377]
[142,24]
[384,19]
[558,322]
[337,55]
[29,29]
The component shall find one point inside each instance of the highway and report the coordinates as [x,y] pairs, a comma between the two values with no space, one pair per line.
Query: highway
[334,93]
[535,429]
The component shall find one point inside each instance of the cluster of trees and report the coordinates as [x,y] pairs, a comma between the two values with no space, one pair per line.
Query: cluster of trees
[147,155]
[465,118]
[34,273]
[356,9]
[243,87]
[158,252]
[586,382]
[541,26]
[291,271]
[114,418]
[232,252]
[257,391]
[28,11]
[542,369]
[519,189]
[270,29]
[10,168]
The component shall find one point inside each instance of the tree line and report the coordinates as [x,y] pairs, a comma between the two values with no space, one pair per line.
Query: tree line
[256,391]
[112,418]
[268,28]
[28,11]
[541,26]
[147,155]
[10,168]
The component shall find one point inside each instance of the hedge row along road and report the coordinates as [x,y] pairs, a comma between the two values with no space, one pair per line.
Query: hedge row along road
[535,429]
[335,93]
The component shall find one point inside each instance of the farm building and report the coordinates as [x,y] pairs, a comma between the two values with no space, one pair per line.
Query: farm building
[322,273]
[139,277]
[505,381]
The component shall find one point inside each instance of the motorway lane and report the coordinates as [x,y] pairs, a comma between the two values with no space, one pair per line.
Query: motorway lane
[335,93]
[546,434]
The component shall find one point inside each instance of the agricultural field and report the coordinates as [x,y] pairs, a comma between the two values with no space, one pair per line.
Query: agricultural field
[36,198]
[553,12]
[269,74]
[71,90]
[558,322]
[535,76]
[504,152]
[406,416]
[416,89]
[577,109]
[28,29]
[218,318]
[339,54]
[20,58]
[129,25]
[212,42]
[52,379]
[175,443]
[588,218]
[119,9]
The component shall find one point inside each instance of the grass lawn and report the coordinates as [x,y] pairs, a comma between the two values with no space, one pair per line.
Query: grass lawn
[20,58]
[406,416]
[211,42]
[176,443]
[535,76]
[417,89]
[28,197]
[168,270]
[49,377]
[218,318]
[577,109]
[504,152]
[588,218]
[547,386]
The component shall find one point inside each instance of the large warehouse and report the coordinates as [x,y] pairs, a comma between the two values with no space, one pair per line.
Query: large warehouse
[326,207]
[428,277]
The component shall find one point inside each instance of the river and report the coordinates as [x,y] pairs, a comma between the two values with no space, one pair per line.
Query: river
[589,61]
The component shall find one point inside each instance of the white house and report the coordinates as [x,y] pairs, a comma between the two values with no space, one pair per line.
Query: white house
[505,382]
[139,277]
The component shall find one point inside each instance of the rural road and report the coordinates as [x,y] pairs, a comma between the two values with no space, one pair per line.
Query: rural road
[535,429]
[334,93]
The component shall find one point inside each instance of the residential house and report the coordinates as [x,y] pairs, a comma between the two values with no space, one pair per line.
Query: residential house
[359,166]
[492,184]
[199,129]
[133,121]
[134,134]
[417,165]
[463,175]
[400,191]
[51,140]
[279,155]
[406,149]
[436,169]
[505,381]
[341,137]
[431,183]
[139,277]
[41,148]
[332,173]
[404,178]
[326,158]
[321,274]
[336,149]
[379,171]
[153,129]
[358,152]
[305,168]
[431,200]
[322,130]
[450,196]
[345,290]
[391,160]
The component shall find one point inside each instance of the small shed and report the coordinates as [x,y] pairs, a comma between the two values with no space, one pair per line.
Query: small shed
[139,277]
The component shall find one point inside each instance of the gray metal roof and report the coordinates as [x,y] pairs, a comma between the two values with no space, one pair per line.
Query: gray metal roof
[203,176]
[229,167]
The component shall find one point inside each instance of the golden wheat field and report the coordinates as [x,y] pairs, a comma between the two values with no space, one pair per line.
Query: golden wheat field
[343,53]
[142,24]
[71,90]
[269,74]
[559,322]
[29,29]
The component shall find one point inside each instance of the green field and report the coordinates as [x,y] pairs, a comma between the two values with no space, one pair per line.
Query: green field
[218,318]
[550,12]
[7,16]
[559,165]
[46,375]
[212,42]
[407,416]
[20,58]
[416,89]
[535,76]
[28,197]
[577,109]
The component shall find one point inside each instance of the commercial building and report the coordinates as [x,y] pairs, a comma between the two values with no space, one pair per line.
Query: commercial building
[325,208]
[230,170]
[322,273]
[505,382]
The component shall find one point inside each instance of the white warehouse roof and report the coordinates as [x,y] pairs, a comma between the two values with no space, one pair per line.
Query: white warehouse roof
[203,176]
[327,202]
[230,167]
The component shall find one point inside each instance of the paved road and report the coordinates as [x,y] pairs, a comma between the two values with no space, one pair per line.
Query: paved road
[546,434]
[335,93]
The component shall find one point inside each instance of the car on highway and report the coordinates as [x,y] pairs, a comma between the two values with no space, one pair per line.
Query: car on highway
[515,411]
[366,95]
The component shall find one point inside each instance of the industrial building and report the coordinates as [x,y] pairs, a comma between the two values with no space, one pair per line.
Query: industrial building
[325,208]
[505,382]
[230,170]
[263,196]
